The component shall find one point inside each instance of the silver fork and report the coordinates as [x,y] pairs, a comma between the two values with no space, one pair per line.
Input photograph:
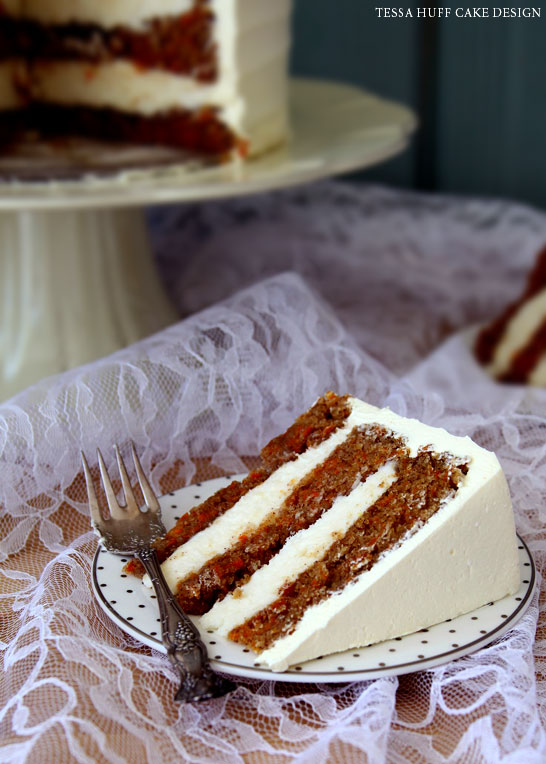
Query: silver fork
[130,530]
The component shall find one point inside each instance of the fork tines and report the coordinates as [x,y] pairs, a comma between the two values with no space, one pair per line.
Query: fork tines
[117,511]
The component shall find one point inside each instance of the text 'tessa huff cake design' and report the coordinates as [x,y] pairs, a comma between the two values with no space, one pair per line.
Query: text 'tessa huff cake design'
[359,526]
[513,347]
[205,75]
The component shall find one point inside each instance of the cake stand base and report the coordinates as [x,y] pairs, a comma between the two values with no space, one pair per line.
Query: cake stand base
[75,286]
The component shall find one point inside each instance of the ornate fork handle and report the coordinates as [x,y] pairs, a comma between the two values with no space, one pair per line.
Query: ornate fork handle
[182,641]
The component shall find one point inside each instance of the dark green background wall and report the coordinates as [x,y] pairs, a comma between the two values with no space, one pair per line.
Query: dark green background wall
[479,87]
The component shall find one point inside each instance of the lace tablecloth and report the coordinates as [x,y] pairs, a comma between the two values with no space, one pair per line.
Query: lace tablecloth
[363,290]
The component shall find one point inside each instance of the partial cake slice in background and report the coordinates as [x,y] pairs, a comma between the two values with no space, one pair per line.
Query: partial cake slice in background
[359,526]
[205,75]
[513,347]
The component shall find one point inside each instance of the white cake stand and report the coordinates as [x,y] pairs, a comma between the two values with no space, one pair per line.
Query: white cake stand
[77,277]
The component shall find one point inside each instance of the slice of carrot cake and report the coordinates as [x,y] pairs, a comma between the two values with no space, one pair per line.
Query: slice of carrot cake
[513,347]
[359,526]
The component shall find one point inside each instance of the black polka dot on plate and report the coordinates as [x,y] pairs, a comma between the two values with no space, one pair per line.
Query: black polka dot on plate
[525,580]
[103,585]
[113,602]
[246,650]
[212,642]
[518,599]
[424,641]
[197,496]
[174,506]
[129,617]
[454,644]
[520,547]
[123,575]
[392,649]
[217,657]
[474,618]
[153,633]
[257,664]
[398,639]
[142,606]
[483,631]
[527,564]
[503,615]
[100,567]
[298,668]
[421,657]
[452,631]
[382,664]
[341,668]
[356,655]
[129,591]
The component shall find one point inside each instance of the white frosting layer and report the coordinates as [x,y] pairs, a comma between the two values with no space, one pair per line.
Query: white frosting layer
[105,13]
[538,376]
[299,553]
[251,510]
[9,97]
[520,329]
[252,38]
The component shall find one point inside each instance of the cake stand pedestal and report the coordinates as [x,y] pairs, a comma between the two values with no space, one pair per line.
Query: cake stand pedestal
[74,287]
[77,277]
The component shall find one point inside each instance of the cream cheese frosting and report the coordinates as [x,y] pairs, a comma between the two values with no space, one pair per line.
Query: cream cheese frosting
[104,13]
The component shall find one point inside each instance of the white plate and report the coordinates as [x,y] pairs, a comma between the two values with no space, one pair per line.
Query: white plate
[132,606]
[335,128]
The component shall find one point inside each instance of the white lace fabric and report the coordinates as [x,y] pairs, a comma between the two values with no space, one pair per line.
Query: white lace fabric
[359,290]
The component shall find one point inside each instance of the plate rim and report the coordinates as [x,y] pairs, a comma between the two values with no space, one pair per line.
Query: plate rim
[316,676]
